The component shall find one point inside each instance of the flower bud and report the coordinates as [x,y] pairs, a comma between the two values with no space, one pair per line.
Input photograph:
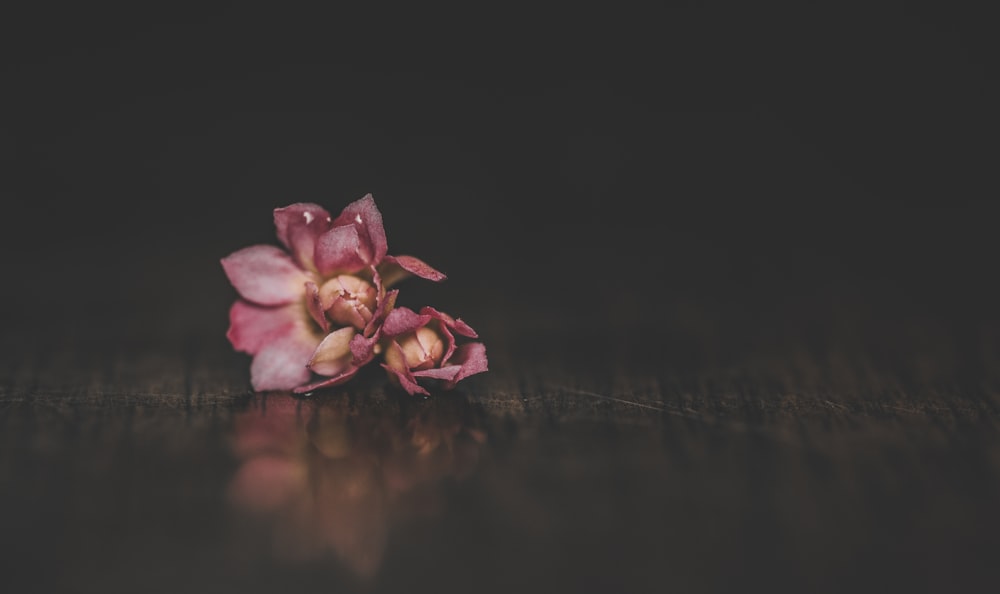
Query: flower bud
[348,300]
[420,349]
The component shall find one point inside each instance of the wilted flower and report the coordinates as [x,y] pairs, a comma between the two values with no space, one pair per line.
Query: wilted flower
[317,307]
[423,346]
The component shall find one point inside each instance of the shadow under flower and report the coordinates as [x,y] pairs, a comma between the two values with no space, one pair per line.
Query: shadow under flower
[331,477]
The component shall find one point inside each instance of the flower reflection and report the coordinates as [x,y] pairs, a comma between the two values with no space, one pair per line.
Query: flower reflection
[332,477]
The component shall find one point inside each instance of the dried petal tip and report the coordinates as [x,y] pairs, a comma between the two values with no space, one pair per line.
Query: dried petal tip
[398,267]
[365,217]
[299,226]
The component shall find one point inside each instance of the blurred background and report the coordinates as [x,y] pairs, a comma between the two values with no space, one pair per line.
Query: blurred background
[725,167]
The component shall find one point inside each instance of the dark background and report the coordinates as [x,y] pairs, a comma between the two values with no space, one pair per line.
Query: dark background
[574,161]
[734,265]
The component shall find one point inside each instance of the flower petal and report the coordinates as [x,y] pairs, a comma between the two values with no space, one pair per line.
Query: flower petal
[363,347]
[315,306]
[366,218]
[336,380]
[455,324]
[414,266]
[447,325]
[298,227]
[265,275]
[403,319]
[339,250]
[252,326]
[402,373]
[391,272]
[281,363]
[471,358]
[382,310]
[442,373]
[333,354]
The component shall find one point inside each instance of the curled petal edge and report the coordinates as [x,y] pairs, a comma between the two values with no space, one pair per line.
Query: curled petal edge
[401,266]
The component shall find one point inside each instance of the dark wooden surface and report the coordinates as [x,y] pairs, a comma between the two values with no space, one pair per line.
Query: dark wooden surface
[855,454]
[738,296]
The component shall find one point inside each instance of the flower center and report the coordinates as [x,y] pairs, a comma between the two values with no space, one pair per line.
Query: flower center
[422,349]
[348,300]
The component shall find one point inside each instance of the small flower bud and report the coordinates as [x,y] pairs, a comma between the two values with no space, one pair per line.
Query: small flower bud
[349,300]
[421,349]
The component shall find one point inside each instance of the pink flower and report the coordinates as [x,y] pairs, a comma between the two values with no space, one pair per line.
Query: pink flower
[423,346]
[317,306]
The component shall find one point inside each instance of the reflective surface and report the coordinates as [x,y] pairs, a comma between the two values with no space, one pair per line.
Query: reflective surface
[331,480]
[384,493]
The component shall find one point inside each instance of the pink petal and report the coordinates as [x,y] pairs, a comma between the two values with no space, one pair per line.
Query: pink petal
[406,379]
[449,339]
[336,380]
[472,360]
[441,373]
[403,319]
[298,227]
[445,327]
[417,267]
[265,275]
[365,216]
[363,347]
[315,306]
[391,272]
[455,324]
[339,250]
[333,355]
[281,364]
[384,308]
[252,326]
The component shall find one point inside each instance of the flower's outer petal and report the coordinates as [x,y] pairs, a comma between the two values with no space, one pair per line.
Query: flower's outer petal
[382,310]
[391,272]
[416,266]
[366,218]
[336,380]
[403,319]
[338,250]
[333,354]
[298,227]
[265,275]
[455,324]
[363,347]
[445,327]
[442,373]
[471,358]
[252,326]
[281,364]
[405,377]
[316,309]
